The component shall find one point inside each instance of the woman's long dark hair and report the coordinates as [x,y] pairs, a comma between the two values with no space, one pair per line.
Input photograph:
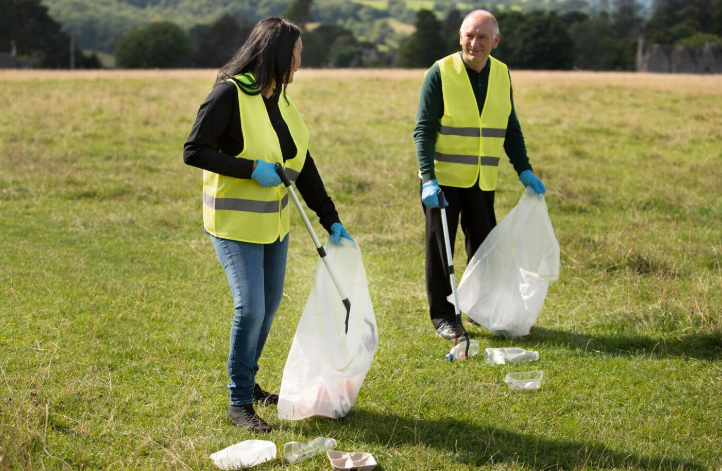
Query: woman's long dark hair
[268,54]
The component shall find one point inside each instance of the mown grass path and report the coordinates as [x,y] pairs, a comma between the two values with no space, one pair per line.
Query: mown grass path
[115,313]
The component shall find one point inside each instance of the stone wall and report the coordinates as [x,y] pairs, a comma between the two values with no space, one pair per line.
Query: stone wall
[670,59]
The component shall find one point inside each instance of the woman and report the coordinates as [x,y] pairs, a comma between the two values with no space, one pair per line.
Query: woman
[247,125]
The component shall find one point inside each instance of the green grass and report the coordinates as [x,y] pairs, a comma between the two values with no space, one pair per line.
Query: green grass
[115,313]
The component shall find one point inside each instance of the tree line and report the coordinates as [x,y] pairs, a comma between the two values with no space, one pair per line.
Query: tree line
[27,28]
[348,34]
[541,40]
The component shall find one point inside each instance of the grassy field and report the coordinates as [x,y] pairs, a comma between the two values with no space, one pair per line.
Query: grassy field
[115,313]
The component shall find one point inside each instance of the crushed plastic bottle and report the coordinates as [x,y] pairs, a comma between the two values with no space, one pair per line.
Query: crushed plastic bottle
[244,454]
[295,452]
[459,350]
[501,356]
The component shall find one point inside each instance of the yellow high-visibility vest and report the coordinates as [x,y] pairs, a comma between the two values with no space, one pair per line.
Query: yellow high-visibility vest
[241,209]
[467,144]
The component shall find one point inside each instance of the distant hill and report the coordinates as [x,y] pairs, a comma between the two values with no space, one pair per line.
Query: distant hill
[98,24]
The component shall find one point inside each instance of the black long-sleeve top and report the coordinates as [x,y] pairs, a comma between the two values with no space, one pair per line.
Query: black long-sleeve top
[217,137]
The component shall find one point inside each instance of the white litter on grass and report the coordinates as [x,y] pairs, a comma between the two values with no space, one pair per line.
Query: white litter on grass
[245,454]
[524,380]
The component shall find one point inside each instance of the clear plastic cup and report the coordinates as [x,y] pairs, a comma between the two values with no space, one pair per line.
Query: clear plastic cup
[524,380]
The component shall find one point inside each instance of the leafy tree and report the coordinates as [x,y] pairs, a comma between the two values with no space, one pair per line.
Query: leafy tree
[425,46]
[315,51]
[27,24]
[223,39]
[590,36]
[299,12]
[343,49]
[346,52]
[536,41]
[450,30]
[197,35]
[554,52]
[599,47]
[716,17]
[161,45]
[573,17]
[700,39]
[626,21]
[619,54]
[329,33]
[674,20]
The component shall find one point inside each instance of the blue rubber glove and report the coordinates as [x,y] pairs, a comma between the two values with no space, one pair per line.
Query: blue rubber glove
[528,179]
[430,194]
[265,174]
[338,231]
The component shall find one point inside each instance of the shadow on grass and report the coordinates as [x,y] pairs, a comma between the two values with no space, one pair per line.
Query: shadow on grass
[483,445]
[699,346]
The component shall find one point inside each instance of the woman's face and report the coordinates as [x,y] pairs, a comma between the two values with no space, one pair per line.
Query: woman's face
[296,61]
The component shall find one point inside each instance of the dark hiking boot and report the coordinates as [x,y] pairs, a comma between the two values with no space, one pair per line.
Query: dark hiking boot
[259,395]
[244,416]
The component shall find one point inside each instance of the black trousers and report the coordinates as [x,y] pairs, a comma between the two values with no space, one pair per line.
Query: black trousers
[475,209]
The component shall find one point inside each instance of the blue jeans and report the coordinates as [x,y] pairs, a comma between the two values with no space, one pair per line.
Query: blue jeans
[256,273]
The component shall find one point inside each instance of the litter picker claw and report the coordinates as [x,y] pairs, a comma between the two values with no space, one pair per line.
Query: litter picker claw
[321,252]
[460,330]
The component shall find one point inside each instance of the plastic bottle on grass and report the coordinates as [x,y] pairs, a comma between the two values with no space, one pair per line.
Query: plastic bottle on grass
[501,356]
[459,350]
[295,452]
[244,454]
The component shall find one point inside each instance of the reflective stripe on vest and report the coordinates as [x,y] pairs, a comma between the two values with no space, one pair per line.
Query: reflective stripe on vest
[471,132]
[241,209]
[466,159]
[249,206]
[465,139]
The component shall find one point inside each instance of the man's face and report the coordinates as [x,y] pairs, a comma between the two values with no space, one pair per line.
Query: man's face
[477,39]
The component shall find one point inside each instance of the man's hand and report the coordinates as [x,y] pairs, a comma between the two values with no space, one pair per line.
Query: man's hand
[528,179]
[265,174]
[430,194]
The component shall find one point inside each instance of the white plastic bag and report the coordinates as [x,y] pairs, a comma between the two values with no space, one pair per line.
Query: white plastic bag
[244,454]
[326,367]
[506,281]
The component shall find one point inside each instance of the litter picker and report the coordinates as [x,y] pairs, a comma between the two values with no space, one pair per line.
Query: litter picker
[460,330]
[344,299]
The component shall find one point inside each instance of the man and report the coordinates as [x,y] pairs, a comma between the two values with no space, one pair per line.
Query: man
[465,121]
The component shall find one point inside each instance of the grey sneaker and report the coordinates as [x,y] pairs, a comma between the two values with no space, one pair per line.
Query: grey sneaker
[244,416]
[446,330]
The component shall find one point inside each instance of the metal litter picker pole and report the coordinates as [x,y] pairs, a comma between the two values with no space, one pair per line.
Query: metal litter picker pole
[450,260]
[287,183]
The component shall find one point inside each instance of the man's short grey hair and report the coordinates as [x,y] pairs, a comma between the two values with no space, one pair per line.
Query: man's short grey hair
[485,13]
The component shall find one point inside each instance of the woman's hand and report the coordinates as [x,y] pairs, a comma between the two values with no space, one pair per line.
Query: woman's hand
[265,174]
[338,231]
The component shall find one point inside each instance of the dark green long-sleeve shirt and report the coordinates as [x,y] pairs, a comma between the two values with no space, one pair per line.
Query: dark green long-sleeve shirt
[431,109]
